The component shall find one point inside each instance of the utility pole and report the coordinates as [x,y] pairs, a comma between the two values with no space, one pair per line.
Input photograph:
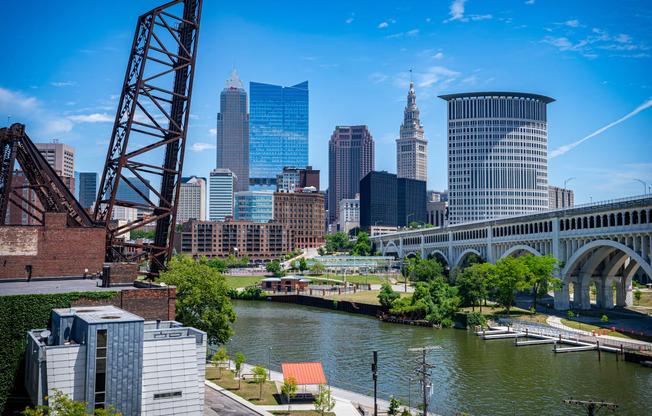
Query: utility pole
[592,408]
[374,372]
[424,372]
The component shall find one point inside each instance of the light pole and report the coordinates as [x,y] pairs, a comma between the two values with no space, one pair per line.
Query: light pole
[407,219]
[566,181]
[644,185]
[269,361]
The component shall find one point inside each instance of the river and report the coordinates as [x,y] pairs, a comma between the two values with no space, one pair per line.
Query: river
[471,375]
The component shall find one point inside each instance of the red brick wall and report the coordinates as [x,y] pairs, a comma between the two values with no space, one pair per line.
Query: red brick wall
[151,304]
[123,272]
[53,250]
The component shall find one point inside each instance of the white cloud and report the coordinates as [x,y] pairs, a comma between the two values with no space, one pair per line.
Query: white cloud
[622,38]
[563,149]
[483,17]
[435,80]
[63,84]
[382,25]
[212,132]
[572,23]
[529,2]
[413,32]
[593,41]
[92,118]
[42,124]
[200,147]
[469,80]
[377,77]
[438,55]
[457,11]
[350,19]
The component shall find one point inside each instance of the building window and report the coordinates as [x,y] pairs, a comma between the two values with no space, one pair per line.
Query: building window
[100,369]
[166,395]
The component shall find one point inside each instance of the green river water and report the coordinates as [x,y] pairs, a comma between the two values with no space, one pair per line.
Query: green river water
[472,375]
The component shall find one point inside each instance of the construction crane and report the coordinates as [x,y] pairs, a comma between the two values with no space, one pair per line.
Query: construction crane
[153,119]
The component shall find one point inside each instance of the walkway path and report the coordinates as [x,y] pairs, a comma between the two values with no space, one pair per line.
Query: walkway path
[555,321]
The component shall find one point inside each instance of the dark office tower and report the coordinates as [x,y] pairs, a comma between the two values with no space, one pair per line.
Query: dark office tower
[411,202]
[350,158]
[279,131]
[233,131]
[87,188]
[129,194]
[497,154]
[378,199]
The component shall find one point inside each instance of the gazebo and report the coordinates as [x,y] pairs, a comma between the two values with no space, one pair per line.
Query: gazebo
[305,374]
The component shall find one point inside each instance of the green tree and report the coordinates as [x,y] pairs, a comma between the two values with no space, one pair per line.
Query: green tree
[406,412]
[289,389]
[321,251]
[407,267]
[219,265]
[324,402]
[303,264]
[427,270]
[362,245]
[604,319]
[202,298]
[570,314]
[472,286]
[274,267]
[413,224]
[387,295]
[510,274]
[239,362]
[379,253]
[219,359]
[393,407]
[337,241]
[317,268]
[637,296]
[260,377]
[541,277]
[61,404]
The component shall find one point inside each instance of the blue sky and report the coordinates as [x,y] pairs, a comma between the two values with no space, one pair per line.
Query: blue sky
[64,63]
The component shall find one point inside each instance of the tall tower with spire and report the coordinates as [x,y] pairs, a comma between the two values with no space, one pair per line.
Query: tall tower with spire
[411,147]
[233,131]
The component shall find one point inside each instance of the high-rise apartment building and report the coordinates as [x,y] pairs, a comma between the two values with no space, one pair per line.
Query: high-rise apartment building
[256,206]
[412,147]
[87,188]
[497,154]
[192,200]
[350,158]
[303,213]
[349,214]
[60,156]
[560,197]
[390,201]
[233,131]
[223,184]
[293,178]
[279,131]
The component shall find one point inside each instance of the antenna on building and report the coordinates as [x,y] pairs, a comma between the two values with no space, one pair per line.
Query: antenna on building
[8,117]
[410,75]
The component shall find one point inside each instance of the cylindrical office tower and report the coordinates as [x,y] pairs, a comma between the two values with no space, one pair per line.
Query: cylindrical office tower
[497,155]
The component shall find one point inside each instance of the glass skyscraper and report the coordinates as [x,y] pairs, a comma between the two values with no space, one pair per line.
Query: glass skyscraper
[279,131]
[87,188]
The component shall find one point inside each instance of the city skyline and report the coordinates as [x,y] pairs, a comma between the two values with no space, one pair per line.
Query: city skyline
[357,61]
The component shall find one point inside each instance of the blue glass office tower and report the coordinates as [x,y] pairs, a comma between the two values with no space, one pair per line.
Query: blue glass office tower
[278,131]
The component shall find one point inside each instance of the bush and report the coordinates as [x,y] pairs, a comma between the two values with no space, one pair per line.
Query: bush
[251,293]
[475,319]
[447,323]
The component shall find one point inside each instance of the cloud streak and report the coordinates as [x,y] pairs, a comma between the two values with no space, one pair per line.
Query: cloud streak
[200,147]
[563,149]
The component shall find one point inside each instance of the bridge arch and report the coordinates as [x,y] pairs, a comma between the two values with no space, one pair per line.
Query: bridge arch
[391,248]
[465,254]
[411,254]
[441,253]
[518,249]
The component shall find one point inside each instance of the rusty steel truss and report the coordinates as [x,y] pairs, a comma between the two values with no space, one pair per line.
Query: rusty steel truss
[50,190]
[155,118]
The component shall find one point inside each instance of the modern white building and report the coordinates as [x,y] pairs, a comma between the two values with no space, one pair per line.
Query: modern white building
[60,156]
[105,356]
[497,155]
[192,200]
[349,214]
[560,197]
[411,147]
[223,183]
[256,206]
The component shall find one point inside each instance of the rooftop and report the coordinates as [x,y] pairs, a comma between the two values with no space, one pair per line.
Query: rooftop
[495,94]
[97,314]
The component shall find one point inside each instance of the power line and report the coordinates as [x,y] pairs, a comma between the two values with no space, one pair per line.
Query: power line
[592,408]
[425,372]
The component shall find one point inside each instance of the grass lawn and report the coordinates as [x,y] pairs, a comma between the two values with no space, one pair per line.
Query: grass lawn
[587,327]
[368,296]
[242,281]
[646,298]
[302,413]
[249,390]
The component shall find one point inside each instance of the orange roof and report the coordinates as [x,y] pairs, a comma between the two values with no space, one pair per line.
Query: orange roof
[304,373]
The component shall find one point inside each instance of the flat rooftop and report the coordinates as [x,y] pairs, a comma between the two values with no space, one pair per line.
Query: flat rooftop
[496,94]
[99,314]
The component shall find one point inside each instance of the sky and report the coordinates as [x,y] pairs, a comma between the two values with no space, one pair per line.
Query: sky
[64,64]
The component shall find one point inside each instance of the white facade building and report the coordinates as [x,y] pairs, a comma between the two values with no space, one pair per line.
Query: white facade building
[192,200]
[349,214]
[60,156]
[497,155]
[411,147]
[223,183]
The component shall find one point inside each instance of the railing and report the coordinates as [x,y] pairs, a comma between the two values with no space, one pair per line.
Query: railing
[323,290]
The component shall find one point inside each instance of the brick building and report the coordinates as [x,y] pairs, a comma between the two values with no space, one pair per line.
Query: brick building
[261,242]
[303,213]
[16,216]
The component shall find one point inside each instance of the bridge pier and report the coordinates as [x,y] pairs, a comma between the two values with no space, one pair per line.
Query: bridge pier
[562,298]
[605,297]
[624,296]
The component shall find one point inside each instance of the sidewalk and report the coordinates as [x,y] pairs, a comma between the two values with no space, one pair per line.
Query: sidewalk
[555,321]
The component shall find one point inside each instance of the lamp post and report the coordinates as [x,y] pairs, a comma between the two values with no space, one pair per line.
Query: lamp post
[566,181]
[644,185]
[407,219]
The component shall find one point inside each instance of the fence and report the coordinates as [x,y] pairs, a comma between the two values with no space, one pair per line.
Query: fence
[583,336]
[321,290]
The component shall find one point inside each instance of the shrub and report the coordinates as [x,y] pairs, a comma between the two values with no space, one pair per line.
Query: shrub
[447,323]
[475,319]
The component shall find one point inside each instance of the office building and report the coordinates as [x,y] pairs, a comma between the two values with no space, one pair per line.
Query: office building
[192,199]
[233,131]
[303,213]
[279,131]
[293,178]
[560,197]
[349,214]
[350,158]
[437,213]
[412,147]
[437,196]
[497,155]
[256,206]
[60,156]
[127,192]
[223,184]
[262,243]
[87,186]
[105,356]
[390,201]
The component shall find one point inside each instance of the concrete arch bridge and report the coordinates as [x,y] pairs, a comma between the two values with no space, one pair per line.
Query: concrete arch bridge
[606,243]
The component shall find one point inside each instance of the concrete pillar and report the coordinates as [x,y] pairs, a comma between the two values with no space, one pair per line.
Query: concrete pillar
[620,291]
[582,295]
[400,248]
[562,298]
[423,251]
[604,298]
[490,247]
[645,248]
[627,289]
[451,255]
[636,244]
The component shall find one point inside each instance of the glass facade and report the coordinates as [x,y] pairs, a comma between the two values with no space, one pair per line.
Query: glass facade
[129,194]
[279,131]
[87,188]
[256,206]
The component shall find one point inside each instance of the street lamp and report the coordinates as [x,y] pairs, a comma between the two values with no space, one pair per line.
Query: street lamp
[407,220]
[644,185]
[566,181]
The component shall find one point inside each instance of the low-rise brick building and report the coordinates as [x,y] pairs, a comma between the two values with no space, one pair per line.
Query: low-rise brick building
[303,212]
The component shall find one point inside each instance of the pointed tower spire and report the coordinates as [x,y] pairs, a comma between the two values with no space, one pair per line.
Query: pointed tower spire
[234,81]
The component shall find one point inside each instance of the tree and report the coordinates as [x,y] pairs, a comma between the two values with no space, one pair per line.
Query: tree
[260,377]
[202,298]
[408,266]
[406,412]
[219,265]
[387,295]
[317,268]
[289,389]
[472,285]
[219,358]
[510,274]
[604,319]
[542,270]
[638,295]
[321,251]
[239,361]
[337,241]
[393,407]
[362,245]
[324,402]
[427,270]
[413,224]
[303,264]
[274,267]
[61,404]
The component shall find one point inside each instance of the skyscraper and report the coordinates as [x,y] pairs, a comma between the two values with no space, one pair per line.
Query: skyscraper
[192,200]
[223,184]
[411,147]
[129,194]
[87,188]
[390,201]
[350,158]
[497,154]
[233,131]
[279,131]
[60,156]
